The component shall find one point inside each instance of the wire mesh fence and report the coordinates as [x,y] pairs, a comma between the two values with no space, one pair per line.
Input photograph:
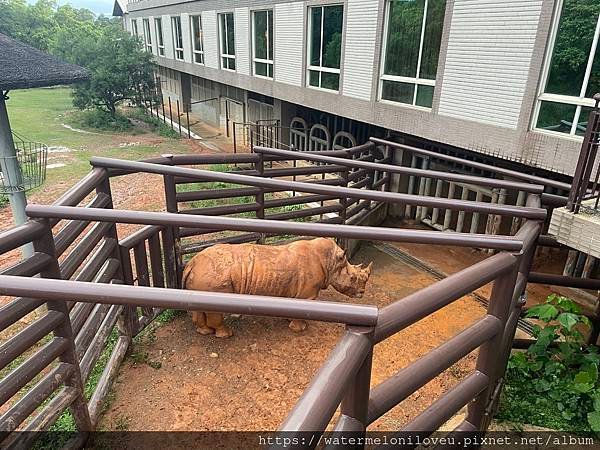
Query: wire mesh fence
[31,158]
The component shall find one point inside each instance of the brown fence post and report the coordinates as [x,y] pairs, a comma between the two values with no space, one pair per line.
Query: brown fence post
[344,208]
[354,409]
[79,406]
[173,260]
[171,113]
[128,322]
[260,195]
[129,315]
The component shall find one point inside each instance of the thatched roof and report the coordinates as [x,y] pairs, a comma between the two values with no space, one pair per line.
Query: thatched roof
[22,67]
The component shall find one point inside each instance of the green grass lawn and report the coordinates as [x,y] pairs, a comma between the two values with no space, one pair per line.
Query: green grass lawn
[39,115]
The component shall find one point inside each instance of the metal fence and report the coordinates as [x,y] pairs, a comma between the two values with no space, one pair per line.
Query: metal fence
[585,191]
[94,282]
[32,159]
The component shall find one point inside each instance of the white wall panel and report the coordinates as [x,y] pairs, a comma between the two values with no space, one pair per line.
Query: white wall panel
[209,30]
[359,50]
[187,37]
[487,64]
[288,52]
[242,47]
[168,36]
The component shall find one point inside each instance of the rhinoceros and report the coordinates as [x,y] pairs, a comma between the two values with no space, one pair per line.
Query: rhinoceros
[296,270]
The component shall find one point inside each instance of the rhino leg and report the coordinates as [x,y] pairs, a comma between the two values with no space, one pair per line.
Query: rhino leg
[199,318]
[215,321]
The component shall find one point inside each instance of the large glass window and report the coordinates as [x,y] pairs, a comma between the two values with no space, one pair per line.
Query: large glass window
[227,33]
[572,74]
[197,42]
[262,27]
[177,37]
[325,24]
[147,35]
[413,33]
[159,36]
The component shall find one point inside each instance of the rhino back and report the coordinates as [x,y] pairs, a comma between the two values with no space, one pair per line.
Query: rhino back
[293,270]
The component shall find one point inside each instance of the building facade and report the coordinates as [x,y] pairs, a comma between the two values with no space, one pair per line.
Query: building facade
[509,79]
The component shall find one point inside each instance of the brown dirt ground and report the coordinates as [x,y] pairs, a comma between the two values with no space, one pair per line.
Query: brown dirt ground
[253,379]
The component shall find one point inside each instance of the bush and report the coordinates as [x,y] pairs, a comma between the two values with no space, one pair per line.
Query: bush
[3,201]
[102,120]
[156,125]
[554,383]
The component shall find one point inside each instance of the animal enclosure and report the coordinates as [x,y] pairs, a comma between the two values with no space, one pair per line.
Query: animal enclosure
[91,277]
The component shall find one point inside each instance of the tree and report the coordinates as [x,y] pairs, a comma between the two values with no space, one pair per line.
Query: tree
[120,70]
[119,66]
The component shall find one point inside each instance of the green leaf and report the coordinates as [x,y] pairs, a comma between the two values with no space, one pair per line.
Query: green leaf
[594,420]
[596,400]
[565,304]
[545,312]
[568,320]
[584,381]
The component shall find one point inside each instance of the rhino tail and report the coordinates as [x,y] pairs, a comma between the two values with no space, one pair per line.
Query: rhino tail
[186,273]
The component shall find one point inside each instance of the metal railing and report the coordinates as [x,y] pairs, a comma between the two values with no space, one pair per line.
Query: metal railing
[94,282]
[585,191]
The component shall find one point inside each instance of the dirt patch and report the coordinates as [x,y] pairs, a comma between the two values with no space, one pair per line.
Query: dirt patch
[252,380]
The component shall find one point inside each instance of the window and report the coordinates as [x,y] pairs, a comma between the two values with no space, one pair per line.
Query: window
[263,43]
[177,37]
[197,43]
[135,27]
[572,73]
[413,33]
[159,36]
[227,34]
[325,46]
[147,35]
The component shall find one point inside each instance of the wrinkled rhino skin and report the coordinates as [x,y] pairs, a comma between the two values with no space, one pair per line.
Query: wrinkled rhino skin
[297,270]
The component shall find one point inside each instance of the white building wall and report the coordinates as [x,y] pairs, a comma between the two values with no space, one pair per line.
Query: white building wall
[359,49]
[168,37]
[490,48]
[288,49]
[186,34]
[242,46]
[209,30]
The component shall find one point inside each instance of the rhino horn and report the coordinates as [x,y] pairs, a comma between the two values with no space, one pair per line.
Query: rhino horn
[369,267]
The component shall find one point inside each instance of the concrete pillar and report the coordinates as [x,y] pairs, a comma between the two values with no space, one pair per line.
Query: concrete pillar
[186,91]
[285,112]
[11,171]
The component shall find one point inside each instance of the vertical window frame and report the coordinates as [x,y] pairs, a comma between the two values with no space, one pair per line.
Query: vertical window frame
[579,102]
[197,53]
[135,30]
[320,68]
[177,34]
[417,80]
[147,35]
[223,38]
[160,38]
[269,61]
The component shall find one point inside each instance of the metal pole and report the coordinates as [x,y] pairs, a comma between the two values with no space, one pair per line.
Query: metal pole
[187,115]
[11,171]
[178,117]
